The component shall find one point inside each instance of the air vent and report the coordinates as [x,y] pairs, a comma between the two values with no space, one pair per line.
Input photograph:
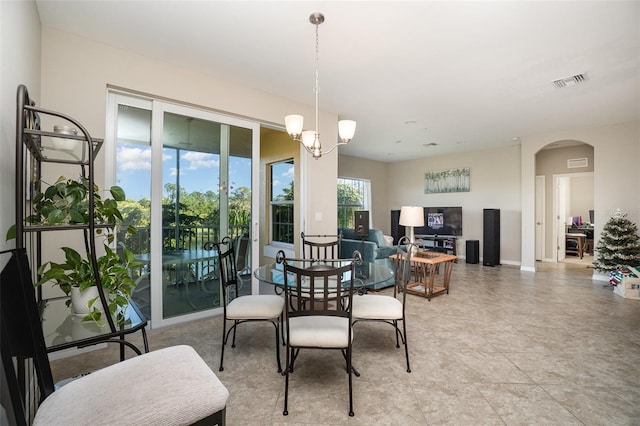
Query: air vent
[570,81]
[430,144]
[575,163]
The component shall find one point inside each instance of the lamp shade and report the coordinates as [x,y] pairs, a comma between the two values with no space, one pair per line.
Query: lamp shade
[308,138]
[294,124]
[412,216]
[346,130]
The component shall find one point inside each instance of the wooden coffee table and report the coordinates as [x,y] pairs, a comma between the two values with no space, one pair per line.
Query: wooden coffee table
[428,279]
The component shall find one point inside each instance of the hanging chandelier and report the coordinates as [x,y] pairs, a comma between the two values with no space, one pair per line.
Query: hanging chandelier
[310,139]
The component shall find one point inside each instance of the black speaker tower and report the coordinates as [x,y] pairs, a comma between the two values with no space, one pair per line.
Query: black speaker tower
[361,223]
[491,243]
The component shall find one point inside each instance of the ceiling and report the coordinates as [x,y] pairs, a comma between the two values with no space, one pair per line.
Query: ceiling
[461,75]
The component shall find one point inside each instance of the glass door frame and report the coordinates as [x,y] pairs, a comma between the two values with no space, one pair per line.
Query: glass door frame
[158,109]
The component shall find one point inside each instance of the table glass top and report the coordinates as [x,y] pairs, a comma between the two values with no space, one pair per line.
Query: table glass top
[366,274]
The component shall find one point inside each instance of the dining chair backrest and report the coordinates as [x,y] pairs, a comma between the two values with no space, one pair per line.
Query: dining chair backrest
[228,270]
[242,253]
[321,246]
[325,282]
[402,266]
[21,336]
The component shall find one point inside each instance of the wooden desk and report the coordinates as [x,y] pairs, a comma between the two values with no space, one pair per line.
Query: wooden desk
[426,266]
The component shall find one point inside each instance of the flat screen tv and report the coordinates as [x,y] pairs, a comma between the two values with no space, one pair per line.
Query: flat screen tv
[441,221]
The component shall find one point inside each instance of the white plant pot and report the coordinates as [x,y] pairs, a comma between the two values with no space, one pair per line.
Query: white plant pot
[80,300]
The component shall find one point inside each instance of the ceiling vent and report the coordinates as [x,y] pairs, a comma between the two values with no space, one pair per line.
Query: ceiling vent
[575,163]
[430,144]
[570,81]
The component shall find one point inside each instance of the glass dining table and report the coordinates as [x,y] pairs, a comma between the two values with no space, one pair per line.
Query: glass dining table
[367,274]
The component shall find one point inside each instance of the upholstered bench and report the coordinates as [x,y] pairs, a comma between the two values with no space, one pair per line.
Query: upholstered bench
[171,386]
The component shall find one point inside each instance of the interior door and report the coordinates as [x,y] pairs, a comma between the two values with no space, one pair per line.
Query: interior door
[540,209]
[562,196]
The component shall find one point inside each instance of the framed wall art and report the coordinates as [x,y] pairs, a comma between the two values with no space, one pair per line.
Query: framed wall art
[453,180]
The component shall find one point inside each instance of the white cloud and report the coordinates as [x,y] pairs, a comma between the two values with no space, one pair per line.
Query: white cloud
[288,172]
[134,159]
[200,160]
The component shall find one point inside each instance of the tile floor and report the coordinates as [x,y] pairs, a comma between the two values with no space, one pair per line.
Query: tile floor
[505,347]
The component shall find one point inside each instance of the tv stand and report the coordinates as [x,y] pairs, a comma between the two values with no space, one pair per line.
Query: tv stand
[440,243]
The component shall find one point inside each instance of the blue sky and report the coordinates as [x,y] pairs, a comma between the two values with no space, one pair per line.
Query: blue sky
[199,171]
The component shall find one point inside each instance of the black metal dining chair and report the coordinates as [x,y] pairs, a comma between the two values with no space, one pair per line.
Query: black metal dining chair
[321,323]
[321,247]
[242,309]
[390,309]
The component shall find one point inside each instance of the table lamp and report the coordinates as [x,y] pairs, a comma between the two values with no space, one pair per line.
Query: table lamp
[411,217]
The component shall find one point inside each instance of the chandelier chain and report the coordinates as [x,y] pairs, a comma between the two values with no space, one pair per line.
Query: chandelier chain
[317,60]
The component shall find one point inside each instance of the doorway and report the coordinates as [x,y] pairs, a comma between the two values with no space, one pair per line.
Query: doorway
[189,176]
[564,192]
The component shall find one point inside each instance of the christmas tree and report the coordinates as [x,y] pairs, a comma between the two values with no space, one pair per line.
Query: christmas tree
[619,244]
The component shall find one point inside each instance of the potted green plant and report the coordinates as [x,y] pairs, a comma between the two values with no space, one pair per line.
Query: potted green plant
[66,203]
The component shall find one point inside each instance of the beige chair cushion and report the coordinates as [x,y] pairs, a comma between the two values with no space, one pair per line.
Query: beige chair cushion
[370,306]
[264,306]
[171,386]
[319,332]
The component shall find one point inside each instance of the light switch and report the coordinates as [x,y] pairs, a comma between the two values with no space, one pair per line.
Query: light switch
[318,216]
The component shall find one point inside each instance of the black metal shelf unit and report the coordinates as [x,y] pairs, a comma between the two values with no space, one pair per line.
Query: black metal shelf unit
[34,148]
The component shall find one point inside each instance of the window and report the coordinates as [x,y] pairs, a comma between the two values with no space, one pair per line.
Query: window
[353,194]
[282,176]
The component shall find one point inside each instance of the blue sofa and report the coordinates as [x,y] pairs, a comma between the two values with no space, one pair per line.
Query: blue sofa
[374,249]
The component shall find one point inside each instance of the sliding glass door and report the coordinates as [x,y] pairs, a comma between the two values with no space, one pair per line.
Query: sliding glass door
[188,175]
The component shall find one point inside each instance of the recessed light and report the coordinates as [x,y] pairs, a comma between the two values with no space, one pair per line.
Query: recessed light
[398,142]
[461,142]
[410,122]
[515,138]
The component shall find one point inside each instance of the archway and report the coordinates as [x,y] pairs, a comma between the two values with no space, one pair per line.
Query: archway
[564,201]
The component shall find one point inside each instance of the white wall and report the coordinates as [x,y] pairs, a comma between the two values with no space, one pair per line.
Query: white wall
[581,196]
[78,87]
[20,64]
[495,183]
[616,176]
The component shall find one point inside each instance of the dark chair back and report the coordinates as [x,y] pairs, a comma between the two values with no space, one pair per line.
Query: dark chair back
[402,267]
[242,251]
[321,246]
[326,282]
[22,341]
[228,270]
